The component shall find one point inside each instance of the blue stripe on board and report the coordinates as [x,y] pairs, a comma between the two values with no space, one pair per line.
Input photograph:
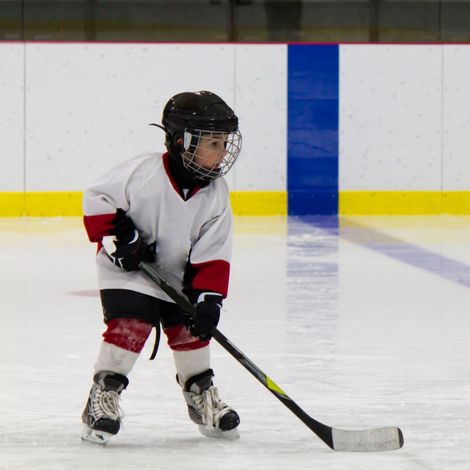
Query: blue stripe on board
[313,100]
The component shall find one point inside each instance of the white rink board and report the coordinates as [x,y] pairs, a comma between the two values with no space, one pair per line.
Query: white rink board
[403,111]
[261,105]
[390,117]
[100,99]
[11,117]
[456,117]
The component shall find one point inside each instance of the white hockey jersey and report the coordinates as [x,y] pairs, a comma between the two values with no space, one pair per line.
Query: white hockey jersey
[193,232]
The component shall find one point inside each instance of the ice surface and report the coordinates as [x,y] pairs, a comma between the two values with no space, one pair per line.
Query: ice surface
[363,322]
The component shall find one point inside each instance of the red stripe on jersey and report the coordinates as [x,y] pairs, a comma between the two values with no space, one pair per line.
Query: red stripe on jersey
[97,226]
[128,333]
[212,276]
[180,339]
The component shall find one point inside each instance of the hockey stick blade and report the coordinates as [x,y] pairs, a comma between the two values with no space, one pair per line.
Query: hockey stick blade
[372,440]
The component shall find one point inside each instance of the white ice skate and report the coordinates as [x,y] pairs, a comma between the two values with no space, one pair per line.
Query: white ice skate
[102,415]
[213,417]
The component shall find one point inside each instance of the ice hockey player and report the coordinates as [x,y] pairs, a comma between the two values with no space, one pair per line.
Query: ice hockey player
[172,210]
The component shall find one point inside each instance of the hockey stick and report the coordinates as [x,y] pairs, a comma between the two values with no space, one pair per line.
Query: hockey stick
[372,440]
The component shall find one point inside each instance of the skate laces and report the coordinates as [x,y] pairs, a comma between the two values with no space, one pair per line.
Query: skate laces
[106,405]
[212,408]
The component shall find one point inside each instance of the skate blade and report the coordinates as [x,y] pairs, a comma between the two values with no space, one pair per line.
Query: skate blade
[218,434]
[95,437]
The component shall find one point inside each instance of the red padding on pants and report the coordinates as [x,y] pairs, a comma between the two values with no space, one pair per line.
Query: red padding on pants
[180,339]
[128,333]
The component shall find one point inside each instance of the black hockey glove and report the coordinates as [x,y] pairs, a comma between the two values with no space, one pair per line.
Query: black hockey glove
[126,249]
[207,315]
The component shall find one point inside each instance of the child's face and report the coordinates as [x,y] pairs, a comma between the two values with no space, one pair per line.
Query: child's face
[211,151]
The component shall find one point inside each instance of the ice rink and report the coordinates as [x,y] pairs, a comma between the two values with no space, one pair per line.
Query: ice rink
[363,321]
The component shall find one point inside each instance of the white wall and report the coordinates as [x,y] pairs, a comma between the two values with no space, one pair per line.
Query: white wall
[11,117]
[261,103]
[456,118]
[404,117]
[390,117]
[88,107]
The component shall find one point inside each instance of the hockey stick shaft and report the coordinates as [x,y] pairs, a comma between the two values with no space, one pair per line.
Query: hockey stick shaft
[324,432]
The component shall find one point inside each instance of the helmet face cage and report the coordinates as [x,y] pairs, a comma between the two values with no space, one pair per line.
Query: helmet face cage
[210,154]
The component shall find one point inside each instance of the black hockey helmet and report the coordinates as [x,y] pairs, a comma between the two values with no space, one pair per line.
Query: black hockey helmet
[190,116]
[198,110]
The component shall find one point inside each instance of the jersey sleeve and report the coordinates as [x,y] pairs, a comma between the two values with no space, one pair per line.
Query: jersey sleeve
[208,269]
[102,199]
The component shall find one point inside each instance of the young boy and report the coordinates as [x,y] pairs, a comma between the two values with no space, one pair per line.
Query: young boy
[172,210]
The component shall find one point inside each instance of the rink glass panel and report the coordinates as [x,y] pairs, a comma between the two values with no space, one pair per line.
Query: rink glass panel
[236,20]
